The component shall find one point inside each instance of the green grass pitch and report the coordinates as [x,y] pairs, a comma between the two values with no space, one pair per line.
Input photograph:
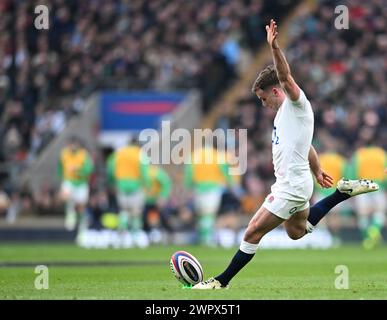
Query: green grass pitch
[76,273]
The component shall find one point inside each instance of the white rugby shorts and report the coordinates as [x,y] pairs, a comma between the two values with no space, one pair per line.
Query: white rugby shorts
[284,208]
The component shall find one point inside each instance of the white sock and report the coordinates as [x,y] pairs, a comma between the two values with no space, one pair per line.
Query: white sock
[249,248]
[309,227]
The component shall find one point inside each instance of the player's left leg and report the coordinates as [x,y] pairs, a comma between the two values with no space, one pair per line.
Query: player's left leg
[345,190]
[295,226]
[305,220]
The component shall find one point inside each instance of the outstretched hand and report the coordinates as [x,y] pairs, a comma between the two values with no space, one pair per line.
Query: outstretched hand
[324,179]
[272,34]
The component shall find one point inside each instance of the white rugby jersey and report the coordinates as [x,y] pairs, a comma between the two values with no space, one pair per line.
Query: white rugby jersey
[291,141]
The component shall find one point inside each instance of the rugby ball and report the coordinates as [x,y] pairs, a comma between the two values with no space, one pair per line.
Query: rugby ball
[186,268]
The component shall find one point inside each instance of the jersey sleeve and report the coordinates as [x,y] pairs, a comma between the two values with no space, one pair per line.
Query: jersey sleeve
[301,107]
[301,101]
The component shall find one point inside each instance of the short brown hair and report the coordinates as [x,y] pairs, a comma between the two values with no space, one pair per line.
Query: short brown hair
[266,78]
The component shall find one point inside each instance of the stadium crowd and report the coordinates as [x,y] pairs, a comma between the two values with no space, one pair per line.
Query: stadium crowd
[45,74]
[100,44]
[92,44]
[95,44]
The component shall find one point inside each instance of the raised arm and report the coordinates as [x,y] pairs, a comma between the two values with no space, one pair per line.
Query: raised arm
[285,78]
[322,177]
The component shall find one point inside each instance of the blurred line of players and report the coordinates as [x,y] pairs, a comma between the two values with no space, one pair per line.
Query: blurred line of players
[141,193]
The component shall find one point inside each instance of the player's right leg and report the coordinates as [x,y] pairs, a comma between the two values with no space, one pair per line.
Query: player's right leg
[261,223]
